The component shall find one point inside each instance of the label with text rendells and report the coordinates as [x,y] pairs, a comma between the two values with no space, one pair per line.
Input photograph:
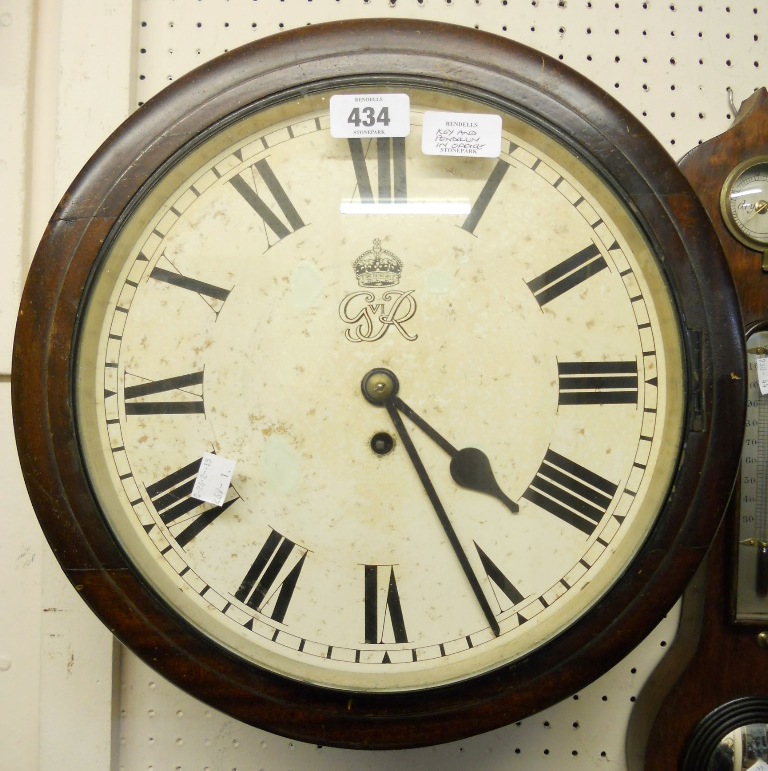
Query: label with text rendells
[370,115]
[462,134]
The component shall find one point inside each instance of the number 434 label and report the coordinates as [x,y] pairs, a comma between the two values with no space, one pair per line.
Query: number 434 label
[370,115]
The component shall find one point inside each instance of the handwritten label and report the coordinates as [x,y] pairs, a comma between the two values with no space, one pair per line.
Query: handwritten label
[461,134]
[213,478]
[761,765]
[370,115]
[762,374]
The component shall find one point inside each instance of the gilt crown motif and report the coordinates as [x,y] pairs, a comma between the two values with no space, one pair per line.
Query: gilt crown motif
[378,267]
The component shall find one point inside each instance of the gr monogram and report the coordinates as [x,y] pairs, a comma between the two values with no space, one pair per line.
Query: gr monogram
[368,316]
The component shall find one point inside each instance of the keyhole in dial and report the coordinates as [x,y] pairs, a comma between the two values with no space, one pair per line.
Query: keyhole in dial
[382,443]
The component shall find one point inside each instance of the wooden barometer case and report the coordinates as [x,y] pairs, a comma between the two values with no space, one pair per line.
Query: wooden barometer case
[714,681]
[376,383]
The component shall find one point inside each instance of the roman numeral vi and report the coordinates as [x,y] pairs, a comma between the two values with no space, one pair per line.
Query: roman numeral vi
[376,618]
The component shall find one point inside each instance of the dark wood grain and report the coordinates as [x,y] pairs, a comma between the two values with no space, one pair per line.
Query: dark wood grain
[713,661]
[371,52]
[707,168]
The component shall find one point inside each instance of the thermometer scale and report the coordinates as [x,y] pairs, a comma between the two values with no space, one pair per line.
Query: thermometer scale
[751,600]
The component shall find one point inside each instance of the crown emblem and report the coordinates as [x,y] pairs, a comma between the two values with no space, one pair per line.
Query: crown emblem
[378,267]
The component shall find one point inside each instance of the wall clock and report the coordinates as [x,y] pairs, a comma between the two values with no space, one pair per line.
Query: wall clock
[376,383]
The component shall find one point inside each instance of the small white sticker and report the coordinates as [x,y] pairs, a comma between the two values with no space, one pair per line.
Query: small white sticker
[762,374]
[761,765]
[213,478]
[461,134]
[370,115]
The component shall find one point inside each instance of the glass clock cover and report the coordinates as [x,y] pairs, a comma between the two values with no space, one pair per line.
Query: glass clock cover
[390,404]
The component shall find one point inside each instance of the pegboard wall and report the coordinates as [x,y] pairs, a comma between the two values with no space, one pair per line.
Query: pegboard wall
[679,65]
[670,63]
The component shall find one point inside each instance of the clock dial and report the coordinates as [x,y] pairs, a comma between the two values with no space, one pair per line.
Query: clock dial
[520,336]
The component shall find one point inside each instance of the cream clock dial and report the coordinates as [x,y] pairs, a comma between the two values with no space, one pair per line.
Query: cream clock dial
[238,314]
[375,394]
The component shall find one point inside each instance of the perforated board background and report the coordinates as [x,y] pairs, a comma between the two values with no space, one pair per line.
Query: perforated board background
[69,73]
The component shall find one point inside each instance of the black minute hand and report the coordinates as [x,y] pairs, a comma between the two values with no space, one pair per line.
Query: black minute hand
[450,533]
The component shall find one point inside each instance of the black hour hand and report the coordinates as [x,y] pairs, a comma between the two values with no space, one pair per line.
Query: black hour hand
[470,468]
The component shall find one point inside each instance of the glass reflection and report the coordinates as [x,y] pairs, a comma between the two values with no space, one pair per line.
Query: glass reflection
[742,749]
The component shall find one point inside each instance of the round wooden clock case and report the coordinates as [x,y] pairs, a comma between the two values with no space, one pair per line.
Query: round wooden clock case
[481,410]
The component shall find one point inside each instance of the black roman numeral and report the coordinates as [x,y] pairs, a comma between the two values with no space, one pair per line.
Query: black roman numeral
[187,392]
[597,382]
[498,579]
[390,170]
[567,274]
[214,296]
[248,184]
[172,499]
[275,570]
[486,194]
[570,492]
[392,612]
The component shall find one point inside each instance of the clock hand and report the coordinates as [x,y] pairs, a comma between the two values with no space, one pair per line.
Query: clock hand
[442,515]
[470,467]
[380,387]
[761,207]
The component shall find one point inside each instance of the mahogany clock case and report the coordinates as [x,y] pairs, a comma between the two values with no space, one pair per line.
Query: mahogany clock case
[502,75]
